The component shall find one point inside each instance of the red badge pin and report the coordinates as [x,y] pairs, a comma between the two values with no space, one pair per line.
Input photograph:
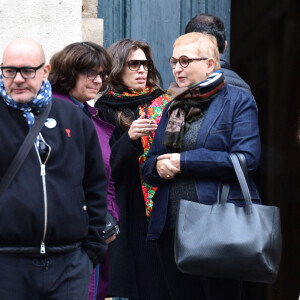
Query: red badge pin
[68,131]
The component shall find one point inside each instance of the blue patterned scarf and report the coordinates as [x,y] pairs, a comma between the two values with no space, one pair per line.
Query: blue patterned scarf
[37,105]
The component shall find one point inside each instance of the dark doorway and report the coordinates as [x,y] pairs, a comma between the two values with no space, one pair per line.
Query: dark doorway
[265,49]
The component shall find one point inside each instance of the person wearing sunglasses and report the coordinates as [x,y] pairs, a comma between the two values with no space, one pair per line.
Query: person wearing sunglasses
[189,157]
[133,104]
[78,73]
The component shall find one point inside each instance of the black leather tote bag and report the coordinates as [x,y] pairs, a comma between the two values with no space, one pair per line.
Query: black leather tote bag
[227,241]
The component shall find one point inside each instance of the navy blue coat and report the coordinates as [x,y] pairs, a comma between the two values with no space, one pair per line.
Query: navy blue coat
[230,125]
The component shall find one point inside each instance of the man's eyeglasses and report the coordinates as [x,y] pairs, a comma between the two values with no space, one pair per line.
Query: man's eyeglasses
[184,61]
[92,74]
[134,64]
[26,72]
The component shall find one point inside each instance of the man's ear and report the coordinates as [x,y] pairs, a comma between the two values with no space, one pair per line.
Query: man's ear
[46,71]
[225,46]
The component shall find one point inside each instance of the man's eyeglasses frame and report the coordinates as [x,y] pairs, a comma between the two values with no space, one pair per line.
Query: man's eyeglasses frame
[21,71]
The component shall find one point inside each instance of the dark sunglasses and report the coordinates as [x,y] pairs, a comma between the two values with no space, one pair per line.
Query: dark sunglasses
[183,60]
[26,72]
[92,74]
[134,64]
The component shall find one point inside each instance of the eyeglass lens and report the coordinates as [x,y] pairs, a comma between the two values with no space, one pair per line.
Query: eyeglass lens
[92,74]
[135,64]
[183,61]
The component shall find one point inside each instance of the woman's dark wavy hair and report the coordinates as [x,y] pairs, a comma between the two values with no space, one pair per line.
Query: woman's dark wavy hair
[73,60]
[120,52]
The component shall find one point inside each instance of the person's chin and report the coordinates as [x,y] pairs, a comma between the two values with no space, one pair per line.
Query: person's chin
[182,84]
[91,96]
[22,98]
[139,87]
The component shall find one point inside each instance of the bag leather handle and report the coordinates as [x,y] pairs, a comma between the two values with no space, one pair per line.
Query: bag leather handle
[240,167]
[243,163]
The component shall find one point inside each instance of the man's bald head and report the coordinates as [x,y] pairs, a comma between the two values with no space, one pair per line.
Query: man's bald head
[20,54]
[25,46]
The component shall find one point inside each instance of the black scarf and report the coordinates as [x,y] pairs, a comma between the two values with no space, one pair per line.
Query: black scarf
[127,104]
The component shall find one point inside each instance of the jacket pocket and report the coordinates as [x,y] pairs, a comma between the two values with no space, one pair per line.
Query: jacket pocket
[219,137]
[221,128]
[70,213]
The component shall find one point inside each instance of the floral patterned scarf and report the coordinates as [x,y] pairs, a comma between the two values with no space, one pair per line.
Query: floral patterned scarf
[153,112]
[152,101]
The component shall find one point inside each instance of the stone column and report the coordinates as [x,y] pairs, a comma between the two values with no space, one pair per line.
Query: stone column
[92,27]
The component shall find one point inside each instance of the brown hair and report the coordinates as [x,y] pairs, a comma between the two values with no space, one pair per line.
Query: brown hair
[74,59]
[119,52]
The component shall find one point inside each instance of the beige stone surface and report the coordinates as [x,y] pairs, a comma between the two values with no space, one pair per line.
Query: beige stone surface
[92,30]
[54,23]
[89,8]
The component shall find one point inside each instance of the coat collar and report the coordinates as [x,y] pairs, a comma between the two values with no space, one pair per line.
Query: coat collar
[97,115]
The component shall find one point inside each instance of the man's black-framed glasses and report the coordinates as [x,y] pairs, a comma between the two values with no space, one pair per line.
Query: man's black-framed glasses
[26,72]
[135,64]
[183,60]
[92,74]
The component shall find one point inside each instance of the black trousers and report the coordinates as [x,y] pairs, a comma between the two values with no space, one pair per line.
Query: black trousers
[183,286]
[63,276]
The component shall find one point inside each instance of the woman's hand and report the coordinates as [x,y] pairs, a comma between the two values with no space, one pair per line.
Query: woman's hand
[141,127]
[168,165]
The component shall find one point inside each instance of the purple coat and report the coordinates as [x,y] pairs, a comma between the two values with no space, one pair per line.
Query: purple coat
[104,131]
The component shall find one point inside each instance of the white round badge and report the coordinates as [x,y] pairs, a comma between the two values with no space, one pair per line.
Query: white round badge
[50,123]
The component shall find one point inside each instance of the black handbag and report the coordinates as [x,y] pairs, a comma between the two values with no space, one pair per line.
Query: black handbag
[111,226]
[226,241]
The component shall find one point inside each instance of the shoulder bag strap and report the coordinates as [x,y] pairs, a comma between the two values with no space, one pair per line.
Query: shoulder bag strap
[240,165]
[24,149]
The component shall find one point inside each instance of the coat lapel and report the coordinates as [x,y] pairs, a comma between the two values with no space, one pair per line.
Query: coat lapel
[214,111]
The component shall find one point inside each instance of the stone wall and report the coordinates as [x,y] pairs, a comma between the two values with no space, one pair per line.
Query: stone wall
[92,27]
[54,23]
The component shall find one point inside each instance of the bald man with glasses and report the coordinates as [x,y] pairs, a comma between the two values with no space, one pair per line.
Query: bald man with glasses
[53,211]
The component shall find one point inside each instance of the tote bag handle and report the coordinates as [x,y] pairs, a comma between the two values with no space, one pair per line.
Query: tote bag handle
[240,167]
